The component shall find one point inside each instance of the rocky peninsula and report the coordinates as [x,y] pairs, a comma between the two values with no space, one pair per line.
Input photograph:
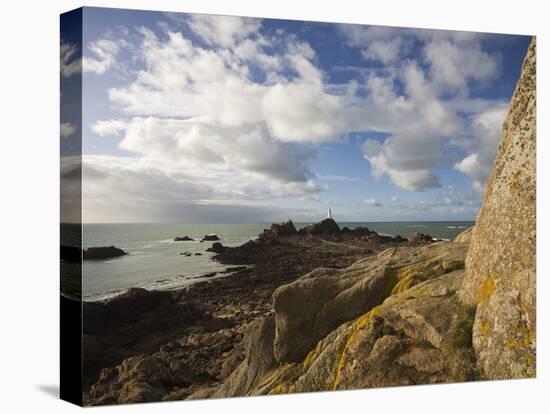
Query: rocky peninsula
[326,308]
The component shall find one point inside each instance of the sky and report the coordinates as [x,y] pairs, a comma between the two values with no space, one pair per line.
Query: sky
[218,119]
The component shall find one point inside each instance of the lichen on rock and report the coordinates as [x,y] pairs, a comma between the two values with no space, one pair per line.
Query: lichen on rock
[501,262]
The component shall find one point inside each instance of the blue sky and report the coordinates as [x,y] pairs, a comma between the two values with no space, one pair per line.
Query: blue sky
[200,118]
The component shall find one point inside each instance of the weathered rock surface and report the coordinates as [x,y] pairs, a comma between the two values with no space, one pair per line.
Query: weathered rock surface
[309,308]
[420,239]
[465,236]
[100,253]
[419,332]
[143,378]
[501,262]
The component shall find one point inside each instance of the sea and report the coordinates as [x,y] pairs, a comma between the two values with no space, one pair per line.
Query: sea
[154,259]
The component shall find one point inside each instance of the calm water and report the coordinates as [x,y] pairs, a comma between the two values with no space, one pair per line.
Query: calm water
[154,260]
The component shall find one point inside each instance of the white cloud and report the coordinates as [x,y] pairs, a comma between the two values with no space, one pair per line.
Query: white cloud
[427,113]
[112,185]
[110,127]
[225,31]
[101,56]
[255,108]
[452,65]
[372,202]
[66,129]
[486,128]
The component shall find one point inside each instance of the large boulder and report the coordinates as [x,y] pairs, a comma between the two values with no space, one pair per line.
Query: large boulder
[418,335]
[501,262]
[315,304]
[258,361]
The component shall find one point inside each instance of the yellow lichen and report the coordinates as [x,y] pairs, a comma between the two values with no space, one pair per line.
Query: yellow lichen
[484,331]
[360,323]
[487,289]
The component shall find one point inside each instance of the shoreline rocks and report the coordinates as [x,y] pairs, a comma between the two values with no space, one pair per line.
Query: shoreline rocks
[420,239]
[184,238]
[210,237]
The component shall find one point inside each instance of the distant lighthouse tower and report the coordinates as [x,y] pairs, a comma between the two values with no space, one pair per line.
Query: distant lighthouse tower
[329,214]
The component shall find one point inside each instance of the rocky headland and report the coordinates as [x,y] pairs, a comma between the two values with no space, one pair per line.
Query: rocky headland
[326,308]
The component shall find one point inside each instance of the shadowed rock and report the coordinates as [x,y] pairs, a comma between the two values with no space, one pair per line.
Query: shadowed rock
[419,239]
[184,238]
[284,229]
[327,226]
[100,253]
[217,247]
[210,237]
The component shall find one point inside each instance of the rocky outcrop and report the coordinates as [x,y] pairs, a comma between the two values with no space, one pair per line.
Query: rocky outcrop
[184,238]
[258,361]
[216,247]
[101,253]
[315,304]
[284,229]
[210,237]
[144,378]
[417,332]
[501,262]
[326,226]
[420,239]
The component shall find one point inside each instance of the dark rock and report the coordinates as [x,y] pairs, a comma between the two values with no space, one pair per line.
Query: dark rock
[420,239]
[198,254]
[184,238]
[327,226]
[284,229]
[99,253]
[210,237]
[216,248]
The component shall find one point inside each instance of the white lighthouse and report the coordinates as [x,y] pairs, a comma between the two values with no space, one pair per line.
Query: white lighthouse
[329,214]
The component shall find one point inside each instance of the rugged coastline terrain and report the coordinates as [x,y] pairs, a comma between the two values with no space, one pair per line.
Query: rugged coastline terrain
[202,327]
[329,308]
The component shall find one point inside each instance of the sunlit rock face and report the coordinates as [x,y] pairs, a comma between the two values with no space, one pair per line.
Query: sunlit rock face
[501,261]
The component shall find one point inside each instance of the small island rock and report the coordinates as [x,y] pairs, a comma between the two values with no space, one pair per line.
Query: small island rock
[100,253]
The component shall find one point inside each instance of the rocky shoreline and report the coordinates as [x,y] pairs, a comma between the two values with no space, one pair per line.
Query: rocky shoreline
[201,328]
[327,309]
